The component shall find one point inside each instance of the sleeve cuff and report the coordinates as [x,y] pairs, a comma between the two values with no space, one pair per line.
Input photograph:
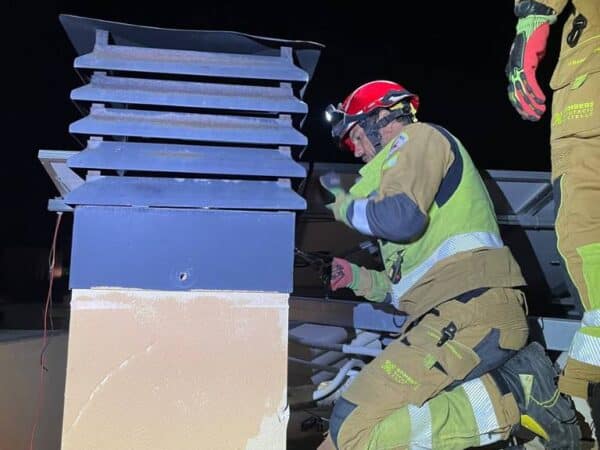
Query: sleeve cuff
[355,277]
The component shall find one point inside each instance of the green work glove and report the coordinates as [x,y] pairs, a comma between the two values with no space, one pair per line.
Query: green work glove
[331,181]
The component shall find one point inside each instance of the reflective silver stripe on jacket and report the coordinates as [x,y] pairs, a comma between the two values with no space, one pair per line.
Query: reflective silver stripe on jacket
[451,246]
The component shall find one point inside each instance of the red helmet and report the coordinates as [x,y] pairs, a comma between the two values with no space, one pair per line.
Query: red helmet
[365,100]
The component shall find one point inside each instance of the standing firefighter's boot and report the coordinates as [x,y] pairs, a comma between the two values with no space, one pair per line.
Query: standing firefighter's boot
[531,378]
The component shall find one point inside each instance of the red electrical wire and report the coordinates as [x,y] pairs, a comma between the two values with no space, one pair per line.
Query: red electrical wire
[47,305]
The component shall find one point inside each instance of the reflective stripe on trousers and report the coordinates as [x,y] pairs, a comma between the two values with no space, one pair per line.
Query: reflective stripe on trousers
[487,422]
[423,435]
[586,345]
[451,246]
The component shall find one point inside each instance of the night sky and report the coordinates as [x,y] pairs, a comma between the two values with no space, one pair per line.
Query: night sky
[450,53]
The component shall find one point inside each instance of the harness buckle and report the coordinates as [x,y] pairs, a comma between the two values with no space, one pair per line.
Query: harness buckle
[448,333]
[396,274]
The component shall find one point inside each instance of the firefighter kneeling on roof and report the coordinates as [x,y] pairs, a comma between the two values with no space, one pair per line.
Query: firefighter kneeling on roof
[458,376]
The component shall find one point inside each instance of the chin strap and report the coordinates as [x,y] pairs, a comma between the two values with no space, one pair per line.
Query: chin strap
[405,113]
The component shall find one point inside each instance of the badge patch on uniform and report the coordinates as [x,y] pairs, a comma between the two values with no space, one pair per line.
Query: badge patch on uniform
[390,162]
[392,157]
[399,142]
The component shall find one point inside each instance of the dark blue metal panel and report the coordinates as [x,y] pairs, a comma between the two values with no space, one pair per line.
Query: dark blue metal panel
[181,250]
[185,62]
[105,89]
[194,127]
[186,159]
[186,193]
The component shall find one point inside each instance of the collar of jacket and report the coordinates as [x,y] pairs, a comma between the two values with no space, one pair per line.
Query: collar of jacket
[370,173]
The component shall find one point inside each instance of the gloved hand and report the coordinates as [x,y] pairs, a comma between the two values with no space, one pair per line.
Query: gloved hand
[528,49]
[331,181]
[341,274]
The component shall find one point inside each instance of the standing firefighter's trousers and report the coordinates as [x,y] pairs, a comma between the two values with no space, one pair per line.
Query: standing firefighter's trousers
[576,178]
[394,403]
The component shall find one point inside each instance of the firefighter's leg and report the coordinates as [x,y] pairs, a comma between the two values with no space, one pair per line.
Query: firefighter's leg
[387,405]
[578,236]
[473,414]
[575,142]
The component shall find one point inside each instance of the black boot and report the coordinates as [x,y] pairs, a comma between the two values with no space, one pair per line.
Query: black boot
[531,378]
